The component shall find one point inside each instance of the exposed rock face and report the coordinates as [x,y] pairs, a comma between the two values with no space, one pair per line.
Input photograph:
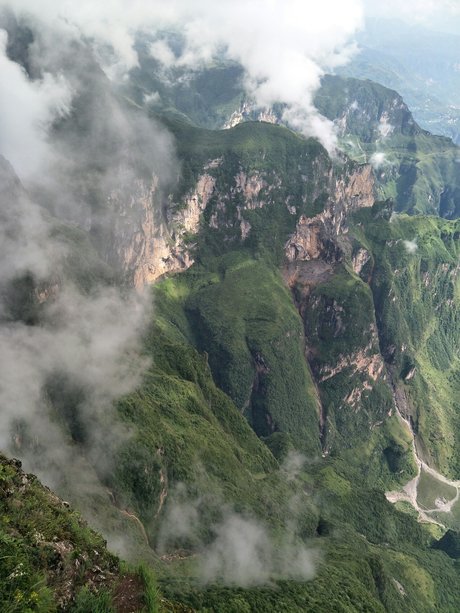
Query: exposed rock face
[310,242]
[318,236]
[365,361]
[250,187]
[245,227]
[148,244]
[356,190]
[45,292]
[269,116]
[150,240]
[360,259]
[314,253]
[249,111]
[250,191]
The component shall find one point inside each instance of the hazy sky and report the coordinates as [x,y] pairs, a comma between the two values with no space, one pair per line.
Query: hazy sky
[441,15]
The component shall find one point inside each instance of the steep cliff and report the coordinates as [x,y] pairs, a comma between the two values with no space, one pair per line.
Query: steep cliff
[418,170]
[414,283]
[51,560]
[149,239]
[415,168]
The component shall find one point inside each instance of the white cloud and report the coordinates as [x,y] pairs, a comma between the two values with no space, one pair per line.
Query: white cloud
[385,128]
[284,45]
[243,554]
[293,464]
[410,246]
[425,12]
[242,550]
[152,98]
[27,108]
[162,52]
[378,159]
[84,173]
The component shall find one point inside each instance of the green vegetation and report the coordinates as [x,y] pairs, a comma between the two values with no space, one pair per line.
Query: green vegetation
[419,171]
[52,561]
[271,402]
[96,603]
[206,98]
[414,285]
[430,489]
[247,324]
[287,164]
[372,558]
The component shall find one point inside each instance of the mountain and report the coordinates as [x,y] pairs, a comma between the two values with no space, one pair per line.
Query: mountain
[52,561]
[420,63]
[415,168]
[284,435]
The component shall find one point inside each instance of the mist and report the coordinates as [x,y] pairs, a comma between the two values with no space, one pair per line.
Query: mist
[410,246]
[243,553]
[235,548]
[86,158]
[73,156]
[284,47]
[77,161]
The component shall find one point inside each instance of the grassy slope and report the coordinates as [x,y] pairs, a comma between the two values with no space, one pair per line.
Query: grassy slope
[356,572]
[247,323]
[52,561]
[416,298]
[234,307]
[219,301]
[192,430]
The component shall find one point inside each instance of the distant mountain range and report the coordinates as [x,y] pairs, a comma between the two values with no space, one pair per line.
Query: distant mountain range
[422,65]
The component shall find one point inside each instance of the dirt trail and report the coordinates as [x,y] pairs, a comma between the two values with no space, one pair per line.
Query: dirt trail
[134,517]
[410,490]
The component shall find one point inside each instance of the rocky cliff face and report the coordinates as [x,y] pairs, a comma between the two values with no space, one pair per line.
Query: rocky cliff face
[248,111]
[319,237]
[228,202]
[365,109]
[149,242]
[341,337]
[415,168]
[320,265]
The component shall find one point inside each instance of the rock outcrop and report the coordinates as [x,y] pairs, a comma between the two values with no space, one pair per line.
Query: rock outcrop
[320,236]
[148,242]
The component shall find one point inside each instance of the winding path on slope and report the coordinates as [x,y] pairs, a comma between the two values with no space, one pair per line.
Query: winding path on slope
[410,491]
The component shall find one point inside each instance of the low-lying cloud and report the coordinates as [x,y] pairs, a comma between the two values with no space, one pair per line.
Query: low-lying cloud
[234,548]
[410,246]
[70,339]
[27,109]
[378,159]
[284,46]
[243,553]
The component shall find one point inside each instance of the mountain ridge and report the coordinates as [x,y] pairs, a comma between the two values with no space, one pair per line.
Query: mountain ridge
[295,309]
